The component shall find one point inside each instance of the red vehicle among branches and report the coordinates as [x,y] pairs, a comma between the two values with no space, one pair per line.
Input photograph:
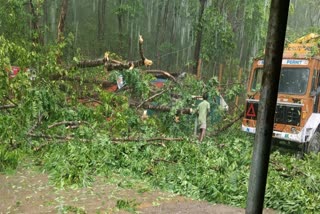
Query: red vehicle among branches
[15,70]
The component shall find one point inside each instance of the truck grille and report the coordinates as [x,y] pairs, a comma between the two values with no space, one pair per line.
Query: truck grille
[284,114]
[288,115]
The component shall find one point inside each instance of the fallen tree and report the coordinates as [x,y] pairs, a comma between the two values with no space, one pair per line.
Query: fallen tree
[105,83]
[112,64]
[169,93]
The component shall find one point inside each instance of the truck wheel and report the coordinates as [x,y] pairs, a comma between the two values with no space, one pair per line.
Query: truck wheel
[314,144]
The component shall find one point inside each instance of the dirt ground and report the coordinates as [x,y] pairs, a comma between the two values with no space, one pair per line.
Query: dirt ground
[27,191]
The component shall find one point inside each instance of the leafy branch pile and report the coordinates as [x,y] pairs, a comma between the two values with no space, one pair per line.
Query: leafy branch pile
[76,131]
[216,171]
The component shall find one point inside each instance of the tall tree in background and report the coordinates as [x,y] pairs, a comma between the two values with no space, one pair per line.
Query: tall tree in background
[37,35]
[120,14]
[304,17]
[198,37]
[15,16]
[62,19]
[161,26]
[171,27]
[127,14]
[101,22]
[63,15]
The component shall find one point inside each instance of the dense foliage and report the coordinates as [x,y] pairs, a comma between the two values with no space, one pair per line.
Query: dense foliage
[34,115]
[216,170]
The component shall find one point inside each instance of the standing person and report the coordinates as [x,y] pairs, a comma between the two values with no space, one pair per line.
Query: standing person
[203,110]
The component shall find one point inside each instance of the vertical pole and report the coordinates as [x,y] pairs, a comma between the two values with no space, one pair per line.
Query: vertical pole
[195,127]
[220,76]
[267,105]
[239,81]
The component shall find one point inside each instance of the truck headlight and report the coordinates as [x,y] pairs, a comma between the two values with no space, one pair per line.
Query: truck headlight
[294,130]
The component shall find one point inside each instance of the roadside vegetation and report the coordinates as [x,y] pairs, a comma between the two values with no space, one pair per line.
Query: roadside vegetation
[71,121]
[74,141]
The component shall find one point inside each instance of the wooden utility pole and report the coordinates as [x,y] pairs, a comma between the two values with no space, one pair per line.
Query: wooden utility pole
[267,105]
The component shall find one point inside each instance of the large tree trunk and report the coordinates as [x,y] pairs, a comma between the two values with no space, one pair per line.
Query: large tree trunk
[120,28]
[161,31]
[37,36]
[197,48]
[46,22]
[63,15]
[101,23]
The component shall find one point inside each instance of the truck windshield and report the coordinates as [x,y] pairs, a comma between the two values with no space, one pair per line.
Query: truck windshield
[292,80]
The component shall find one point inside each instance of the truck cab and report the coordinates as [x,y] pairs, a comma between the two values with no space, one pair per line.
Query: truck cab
[297,116]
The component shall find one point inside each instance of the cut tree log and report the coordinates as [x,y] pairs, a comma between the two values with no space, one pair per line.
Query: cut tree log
[152,97]
[111,64]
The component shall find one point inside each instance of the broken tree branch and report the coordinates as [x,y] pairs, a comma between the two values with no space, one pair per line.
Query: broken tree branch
[7,106]
[146,61]
[152,97]
[115,140]
[69,123]
[164,73]
[35,124]
[50,137]
[162,108]
[91,63]
[53,137]
[141,48]
[111,64]
[103,83]
[231,123]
